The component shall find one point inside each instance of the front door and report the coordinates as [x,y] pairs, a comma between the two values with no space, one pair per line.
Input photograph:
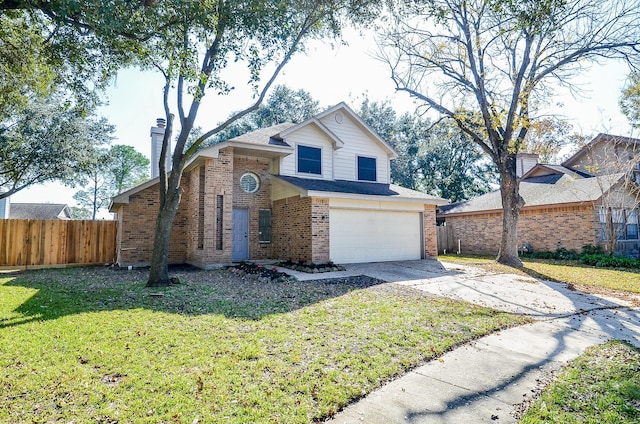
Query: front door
[240,235]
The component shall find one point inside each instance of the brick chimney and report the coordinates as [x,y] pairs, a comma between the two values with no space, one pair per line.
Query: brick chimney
[524,163]
[157,134]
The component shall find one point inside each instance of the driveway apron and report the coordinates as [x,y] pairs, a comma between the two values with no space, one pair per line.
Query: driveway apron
[488,380]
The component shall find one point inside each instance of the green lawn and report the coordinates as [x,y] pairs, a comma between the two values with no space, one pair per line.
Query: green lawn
[600,386]
[93,345]
[571,272]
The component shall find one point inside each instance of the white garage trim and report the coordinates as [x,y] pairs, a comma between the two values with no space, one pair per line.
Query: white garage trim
[359,235]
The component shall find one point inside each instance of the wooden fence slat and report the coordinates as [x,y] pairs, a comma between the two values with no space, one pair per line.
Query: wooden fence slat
[3,246]
[56,242]
[445,239]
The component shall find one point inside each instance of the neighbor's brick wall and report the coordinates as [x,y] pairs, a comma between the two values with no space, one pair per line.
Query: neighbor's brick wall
[292,228]
[136,227]
[547,229]
[430,231]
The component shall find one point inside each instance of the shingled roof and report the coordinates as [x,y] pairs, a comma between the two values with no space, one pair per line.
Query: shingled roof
[265,136]
[39,211]
[541,191]
[389,191]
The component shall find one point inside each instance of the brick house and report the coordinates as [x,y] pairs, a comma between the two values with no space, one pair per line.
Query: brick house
[319,191]
[589,199]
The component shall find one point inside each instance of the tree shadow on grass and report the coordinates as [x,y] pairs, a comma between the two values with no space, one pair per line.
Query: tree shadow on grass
[54,293]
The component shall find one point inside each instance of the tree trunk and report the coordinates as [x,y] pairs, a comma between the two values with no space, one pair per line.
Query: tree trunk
[159,272]
[512,202]
[95,197]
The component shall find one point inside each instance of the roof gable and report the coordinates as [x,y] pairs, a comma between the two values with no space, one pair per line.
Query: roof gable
[350,114]
[542,170]
[600,138]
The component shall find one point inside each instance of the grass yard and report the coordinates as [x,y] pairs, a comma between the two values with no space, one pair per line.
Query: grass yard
[571,272]
[93,345]
[600,386]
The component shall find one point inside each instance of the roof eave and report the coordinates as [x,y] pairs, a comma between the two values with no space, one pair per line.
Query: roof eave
[123,198]
[524,208]
[339,195]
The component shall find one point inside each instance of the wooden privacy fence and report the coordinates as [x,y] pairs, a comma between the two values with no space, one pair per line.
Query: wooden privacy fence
[32,242]
[445,240]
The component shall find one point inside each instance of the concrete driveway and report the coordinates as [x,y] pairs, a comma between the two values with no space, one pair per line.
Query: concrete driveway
[486,381]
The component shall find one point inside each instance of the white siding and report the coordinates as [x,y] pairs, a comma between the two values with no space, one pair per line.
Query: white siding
[356,143]
[524,163]
[309,136]
[5,204]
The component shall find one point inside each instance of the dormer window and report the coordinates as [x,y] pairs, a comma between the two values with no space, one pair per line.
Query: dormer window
[309,160]
[366,168]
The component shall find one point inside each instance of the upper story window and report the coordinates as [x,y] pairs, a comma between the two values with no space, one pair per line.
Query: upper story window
[309,160]
[366,169]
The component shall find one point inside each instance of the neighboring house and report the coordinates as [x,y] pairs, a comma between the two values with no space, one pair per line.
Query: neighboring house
[39,211]
[590,199]
[316,191]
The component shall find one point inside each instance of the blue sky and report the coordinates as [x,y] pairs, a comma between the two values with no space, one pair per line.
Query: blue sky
[331,74]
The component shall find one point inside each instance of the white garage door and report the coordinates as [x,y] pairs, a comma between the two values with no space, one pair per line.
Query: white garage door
[374,236]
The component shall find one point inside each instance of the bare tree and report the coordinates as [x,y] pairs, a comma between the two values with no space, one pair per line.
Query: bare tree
[489,65]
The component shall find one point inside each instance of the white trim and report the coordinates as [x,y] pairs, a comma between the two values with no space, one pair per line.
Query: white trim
[346,109]
[255,177]
[337,195]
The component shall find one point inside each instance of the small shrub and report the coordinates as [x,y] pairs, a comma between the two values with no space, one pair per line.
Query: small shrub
[560,253]
[606,261]
[590,249]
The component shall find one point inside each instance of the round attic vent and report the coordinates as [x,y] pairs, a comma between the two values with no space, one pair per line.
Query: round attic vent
[339,118]
[249,182]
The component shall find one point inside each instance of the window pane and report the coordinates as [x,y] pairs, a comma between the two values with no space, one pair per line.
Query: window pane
[264,226]
[366,169]
[603,215]
[632,232]
[618,216]
[309,160]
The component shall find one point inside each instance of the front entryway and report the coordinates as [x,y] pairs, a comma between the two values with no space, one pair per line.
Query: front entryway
[240,235]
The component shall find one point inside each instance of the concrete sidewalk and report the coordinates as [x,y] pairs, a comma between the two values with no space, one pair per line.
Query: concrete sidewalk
[486,380]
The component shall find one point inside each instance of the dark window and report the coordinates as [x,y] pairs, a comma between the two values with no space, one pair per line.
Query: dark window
[264,226]
[620,223]
[366,169]
[201,181]
[632,224]
[219,214]
[309,160]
